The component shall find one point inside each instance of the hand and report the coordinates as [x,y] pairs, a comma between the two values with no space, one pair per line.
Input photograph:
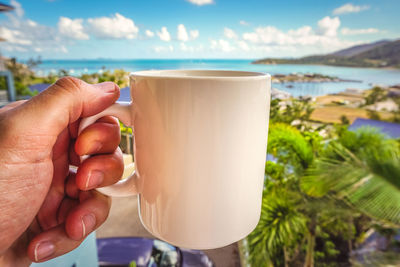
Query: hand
[47,209]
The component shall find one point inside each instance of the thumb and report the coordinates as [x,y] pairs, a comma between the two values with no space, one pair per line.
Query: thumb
[63,103]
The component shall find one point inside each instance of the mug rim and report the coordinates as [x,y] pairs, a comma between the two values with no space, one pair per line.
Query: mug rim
[206,74]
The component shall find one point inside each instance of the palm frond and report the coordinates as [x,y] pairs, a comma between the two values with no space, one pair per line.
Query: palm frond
[279,225]
[369,181]
[289,146]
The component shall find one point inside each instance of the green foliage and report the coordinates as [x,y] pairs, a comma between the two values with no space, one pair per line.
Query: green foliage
[326,193]
[125,129]
[344,120]
[280,225]
[296,109]
[374,115]
[3,83]
[396,114]
[119,77]
[274,171]
[50,78]
[23,76]
[289,146]
[360,140]
[377,94]
[285,204]
[362,169]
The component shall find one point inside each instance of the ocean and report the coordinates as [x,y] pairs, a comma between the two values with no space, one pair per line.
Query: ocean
[367,76]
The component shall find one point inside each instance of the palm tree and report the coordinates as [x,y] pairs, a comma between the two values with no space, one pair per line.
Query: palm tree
[281,224]
[289,217]
[363,169]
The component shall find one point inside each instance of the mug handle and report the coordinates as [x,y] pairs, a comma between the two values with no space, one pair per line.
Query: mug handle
[128,186]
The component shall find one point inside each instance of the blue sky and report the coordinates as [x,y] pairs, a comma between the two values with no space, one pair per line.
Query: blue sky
[76,29]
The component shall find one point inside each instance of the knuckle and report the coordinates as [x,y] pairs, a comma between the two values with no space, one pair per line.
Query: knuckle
[69,83]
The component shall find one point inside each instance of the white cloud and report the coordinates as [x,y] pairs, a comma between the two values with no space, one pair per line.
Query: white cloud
[149,33]
[162,49]
[194,34]
[201,2]
[164,35]
[268,35]
[300,41]
[347,31]
[26,35]
[31,23]
[72,28]
[14,36]
[18,8]
[252,36]
[222,45]
[63,49]
[349,8]
[10,48]
[243,45]
[182,34]
[230,34]
[328,26]
[244,23]
[185,48]
[115,27]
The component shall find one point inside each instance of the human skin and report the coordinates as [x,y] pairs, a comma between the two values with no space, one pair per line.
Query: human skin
[47,209]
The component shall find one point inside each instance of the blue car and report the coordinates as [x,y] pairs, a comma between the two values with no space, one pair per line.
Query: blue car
[146,252]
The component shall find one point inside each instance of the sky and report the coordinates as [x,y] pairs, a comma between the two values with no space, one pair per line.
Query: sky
[175,29]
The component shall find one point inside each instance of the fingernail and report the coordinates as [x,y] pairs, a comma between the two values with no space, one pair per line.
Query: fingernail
[44,250]
[95,179]
[88,223]
[108,87]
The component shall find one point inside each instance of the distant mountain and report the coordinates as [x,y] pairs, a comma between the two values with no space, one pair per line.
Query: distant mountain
[354,50]
[387,54]
[379,54]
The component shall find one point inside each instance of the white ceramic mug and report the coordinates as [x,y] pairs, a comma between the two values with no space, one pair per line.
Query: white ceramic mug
[200,140]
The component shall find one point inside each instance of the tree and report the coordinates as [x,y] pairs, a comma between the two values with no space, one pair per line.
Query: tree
[373,115]
[288,111]
[291,221]
[280,226]
[377,94]
[362,169]
[344,120]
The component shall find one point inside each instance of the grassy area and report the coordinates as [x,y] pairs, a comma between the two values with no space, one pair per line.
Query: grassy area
[338,98]
[332,114]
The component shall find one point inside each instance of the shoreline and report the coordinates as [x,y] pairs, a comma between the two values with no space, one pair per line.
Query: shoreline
[329,65]
[308,78]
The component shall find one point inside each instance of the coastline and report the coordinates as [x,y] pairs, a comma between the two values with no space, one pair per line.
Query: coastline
[329,65]
[349,105]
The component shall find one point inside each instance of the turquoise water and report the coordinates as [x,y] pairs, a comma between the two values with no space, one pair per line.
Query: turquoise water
[367,77]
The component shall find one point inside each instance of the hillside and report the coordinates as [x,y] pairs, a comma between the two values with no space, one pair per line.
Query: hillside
[379,54]
[354,50]
[389,53]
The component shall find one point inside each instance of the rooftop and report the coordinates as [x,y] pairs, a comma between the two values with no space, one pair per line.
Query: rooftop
[390,129]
